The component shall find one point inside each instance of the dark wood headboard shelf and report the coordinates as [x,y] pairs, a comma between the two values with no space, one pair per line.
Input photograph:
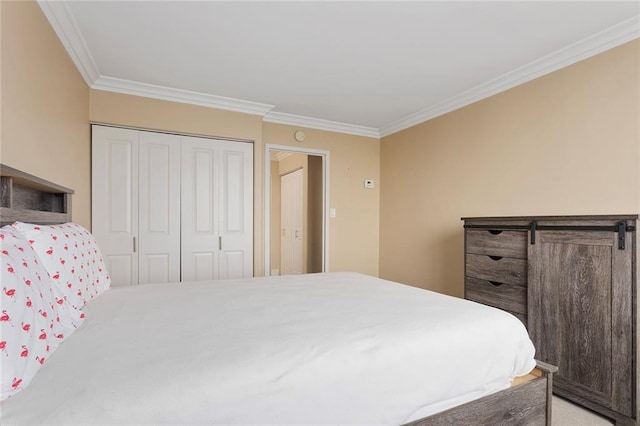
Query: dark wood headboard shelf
[31,199]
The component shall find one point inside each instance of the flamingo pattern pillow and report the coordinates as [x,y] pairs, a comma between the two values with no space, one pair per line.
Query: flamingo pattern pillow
[71,256]
[33,321]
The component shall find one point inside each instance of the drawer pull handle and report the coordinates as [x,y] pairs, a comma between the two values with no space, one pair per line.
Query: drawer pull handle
[495,257]
[496,283]
[495,232]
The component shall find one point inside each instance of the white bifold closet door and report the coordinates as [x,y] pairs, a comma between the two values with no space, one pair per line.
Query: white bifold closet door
[114,195]
[136,204]
[169,208]
[158,208]
[217,218]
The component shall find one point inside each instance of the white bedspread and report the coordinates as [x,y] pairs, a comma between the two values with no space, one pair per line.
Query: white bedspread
[323,348]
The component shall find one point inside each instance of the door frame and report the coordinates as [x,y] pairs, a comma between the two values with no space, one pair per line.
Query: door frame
[267,200]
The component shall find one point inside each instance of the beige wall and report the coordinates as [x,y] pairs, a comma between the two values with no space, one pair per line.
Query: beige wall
[353,234]
[566,143]
[45,105]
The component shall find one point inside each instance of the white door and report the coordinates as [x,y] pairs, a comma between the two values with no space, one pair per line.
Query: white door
[159,208]
[291,210]
[236,210]
[217,209]
[114,189]
[285,226]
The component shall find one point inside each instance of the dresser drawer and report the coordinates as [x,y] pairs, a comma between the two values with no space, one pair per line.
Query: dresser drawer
[508,297]
[501,269]
[497,243]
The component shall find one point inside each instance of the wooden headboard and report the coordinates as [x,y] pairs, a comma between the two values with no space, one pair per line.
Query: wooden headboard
[28,198]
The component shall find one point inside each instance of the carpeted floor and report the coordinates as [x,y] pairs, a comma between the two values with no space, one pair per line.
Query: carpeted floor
[565,413]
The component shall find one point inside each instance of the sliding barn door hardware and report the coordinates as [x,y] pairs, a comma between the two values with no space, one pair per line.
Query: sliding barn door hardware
[621,228]
[532,231]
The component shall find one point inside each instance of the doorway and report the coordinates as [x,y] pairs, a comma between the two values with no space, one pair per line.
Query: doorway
[296,190]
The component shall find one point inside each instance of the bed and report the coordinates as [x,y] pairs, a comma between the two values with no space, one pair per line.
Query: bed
[333,348]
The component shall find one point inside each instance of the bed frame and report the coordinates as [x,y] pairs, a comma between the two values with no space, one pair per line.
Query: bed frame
[28,198]
[526,402]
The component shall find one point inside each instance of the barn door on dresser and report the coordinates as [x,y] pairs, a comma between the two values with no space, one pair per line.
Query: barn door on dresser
[580,292]
[217,209]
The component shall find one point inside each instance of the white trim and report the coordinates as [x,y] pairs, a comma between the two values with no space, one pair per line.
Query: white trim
[129,87]
[267,200]
[597,43]
[320,124]
[66,28]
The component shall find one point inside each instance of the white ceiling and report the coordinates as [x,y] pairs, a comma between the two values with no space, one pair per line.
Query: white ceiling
[368,68]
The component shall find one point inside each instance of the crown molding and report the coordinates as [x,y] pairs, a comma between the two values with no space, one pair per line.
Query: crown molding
[597,43]
[129,87]
[319,124]
[66,28]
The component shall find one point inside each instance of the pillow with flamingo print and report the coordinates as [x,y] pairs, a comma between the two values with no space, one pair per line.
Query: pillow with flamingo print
[33,320]
[71,256]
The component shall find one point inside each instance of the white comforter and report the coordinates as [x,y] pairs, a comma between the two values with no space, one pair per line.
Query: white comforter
[324,348]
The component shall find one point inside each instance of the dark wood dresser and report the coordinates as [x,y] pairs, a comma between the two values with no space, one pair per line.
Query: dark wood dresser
[572,280]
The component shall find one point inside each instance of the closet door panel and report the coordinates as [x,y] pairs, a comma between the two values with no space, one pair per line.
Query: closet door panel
[297,222]
[114,212]
[204,264]
[159,208]
[236,209]
[200,187]
[285,231]
[232,264]
[292,252]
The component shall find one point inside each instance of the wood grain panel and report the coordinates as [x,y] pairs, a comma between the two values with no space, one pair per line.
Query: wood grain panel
[581,219]
[596,238]
[6,191]
[28,198]
[622,334]
[522,405]
[32,216]
[505,296]
[505,270]
[497,243]
[570,313]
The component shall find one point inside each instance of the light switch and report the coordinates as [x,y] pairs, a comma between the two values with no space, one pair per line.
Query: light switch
[332,212]
[368,183]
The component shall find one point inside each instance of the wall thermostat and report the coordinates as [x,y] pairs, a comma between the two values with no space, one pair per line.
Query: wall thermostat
[299,135]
